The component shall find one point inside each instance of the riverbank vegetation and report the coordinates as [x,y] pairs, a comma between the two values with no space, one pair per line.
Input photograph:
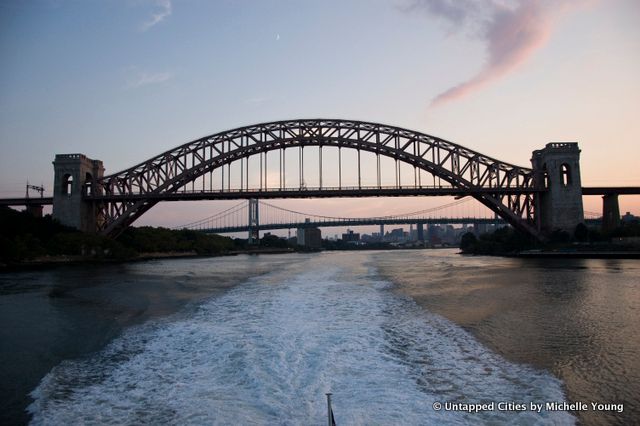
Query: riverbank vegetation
[24,238]
[509,241]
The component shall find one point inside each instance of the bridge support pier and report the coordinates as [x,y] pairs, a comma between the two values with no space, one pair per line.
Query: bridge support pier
[75,175]
[610,212]
[556,168]
[254,222]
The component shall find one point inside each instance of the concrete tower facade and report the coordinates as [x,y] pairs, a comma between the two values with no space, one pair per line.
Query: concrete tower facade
[557,169]
[75,175]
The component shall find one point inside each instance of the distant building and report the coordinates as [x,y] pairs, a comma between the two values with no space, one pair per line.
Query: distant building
[366,238]
[313,238]
[309,237]
[350,236]
[420,232]
[450,234]
[396,235]
[435,232]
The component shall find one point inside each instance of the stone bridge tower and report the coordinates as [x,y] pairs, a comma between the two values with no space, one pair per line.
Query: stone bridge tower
[557,168]
[75,175]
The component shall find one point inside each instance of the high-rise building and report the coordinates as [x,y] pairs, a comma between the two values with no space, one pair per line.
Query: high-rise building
[350,236]
[309,237]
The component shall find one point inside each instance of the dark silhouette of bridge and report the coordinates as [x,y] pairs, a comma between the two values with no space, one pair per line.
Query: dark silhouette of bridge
[325,158]
[271,217]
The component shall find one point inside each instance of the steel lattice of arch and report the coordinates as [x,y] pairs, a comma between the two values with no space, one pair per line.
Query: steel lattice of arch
[506,189]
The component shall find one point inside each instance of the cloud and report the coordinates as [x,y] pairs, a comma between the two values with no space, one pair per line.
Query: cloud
[156,18]
[512,31]
[144,78]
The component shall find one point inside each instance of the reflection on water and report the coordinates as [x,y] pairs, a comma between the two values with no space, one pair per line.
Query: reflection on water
[574,317]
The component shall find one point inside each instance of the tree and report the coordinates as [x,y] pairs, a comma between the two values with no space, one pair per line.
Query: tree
[581,232]
[468,242]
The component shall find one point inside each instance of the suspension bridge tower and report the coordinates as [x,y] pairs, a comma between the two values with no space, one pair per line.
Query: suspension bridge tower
[254,222]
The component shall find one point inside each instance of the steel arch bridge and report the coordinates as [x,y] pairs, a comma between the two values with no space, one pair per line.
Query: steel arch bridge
[119,199]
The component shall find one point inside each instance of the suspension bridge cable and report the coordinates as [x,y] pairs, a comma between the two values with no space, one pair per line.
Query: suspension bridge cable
[415,213]
[225,214]
[241,205]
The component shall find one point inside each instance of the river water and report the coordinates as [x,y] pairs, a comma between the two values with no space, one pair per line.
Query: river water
[261,339]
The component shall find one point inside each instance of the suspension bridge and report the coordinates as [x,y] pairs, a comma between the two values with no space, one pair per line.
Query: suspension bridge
[238,218]
[314,158]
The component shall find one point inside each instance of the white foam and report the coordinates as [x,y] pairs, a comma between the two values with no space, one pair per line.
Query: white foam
[266,351]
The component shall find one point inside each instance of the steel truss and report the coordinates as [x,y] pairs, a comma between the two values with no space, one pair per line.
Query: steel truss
[123,197]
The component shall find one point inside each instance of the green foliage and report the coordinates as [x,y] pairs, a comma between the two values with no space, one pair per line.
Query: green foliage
[503,241]
[13,223]
[595,235]
[273,241]
[507,240]
[147,239]
[581,232]
[240,243]
[631,229]
[16,247]
[24,237]
[468,242]
[88,245]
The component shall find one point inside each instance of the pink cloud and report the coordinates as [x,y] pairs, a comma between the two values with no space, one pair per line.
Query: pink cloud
[512,30]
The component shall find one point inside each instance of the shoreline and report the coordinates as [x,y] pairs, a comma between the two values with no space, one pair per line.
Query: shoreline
[579,255]
[562,254]
[46,262]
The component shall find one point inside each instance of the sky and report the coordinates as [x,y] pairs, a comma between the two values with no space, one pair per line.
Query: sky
[122,81]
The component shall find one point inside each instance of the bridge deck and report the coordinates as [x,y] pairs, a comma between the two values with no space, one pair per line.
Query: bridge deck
[607,190]
[364,191]
[366,222]
[26,201]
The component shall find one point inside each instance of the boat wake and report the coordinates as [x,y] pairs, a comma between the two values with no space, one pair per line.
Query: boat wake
[266,351]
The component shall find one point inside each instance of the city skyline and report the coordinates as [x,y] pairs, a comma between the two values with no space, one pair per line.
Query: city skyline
[124,81]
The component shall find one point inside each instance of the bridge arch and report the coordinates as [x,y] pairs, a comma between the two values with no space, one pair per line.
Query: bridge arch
[505,188]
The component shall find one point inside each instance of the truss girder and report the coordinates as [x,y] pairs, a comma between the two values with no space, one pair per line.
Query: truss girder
[459,166]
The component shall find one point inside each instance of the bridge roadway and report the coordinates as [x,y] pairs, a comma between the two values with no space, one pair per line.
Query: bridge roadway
[610,190]
[365,222]
[311,192]
[44,201]
[351,222]
[324,192]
